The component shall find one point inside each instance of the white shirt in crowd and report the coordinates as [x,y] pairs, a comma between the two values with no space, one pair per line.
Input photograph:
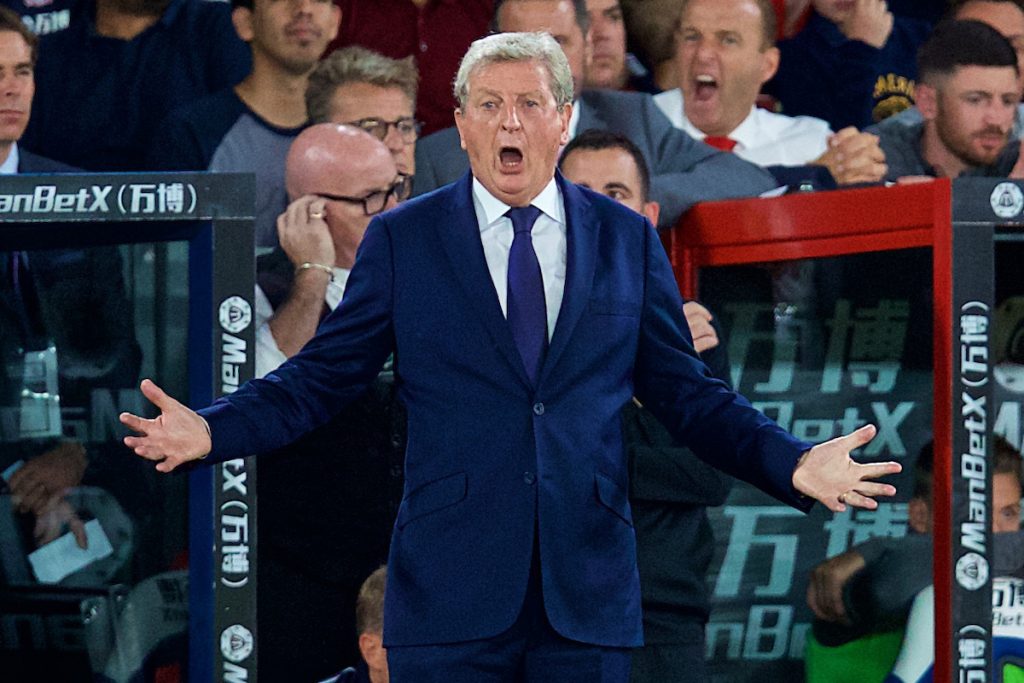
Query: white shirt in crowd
[10,165]
[268,355]
[763,138]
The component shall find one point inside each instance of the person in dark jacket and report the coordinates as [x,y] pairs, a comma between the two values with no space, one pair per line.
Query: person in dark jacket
[853,64]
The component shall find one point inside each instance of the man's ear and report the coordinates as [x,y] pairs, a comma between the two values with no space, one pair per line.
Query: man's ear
[371,647]
[566,117]
[926,98]
[919,515]
[458,126]
[652,210]
[241,18]
[769,64]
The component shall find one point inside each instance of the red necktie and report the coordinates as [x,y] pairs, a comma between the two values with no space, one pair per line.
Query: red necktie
[721,142]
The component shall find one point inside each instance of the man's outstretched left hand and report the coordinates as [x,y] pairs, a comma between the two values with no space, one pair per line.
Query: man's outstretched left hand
[828,474]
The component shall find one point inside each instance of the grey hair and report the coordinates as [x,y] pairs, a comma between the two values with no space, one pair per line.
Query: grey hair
[355,64]
[517,47]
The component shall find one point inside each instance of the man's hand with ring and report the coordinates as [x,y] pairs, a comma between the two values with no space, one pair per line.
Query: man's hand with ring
[303,232]
[828,474]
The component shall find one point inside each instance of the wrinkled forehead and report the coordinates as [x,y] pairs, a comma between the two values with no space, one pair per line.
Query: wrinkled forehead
[509,77]
[360,100]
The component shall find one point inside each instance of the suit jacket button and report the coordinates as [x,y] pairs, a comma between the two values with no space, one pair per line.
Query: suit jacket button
[529,477]
[538,408]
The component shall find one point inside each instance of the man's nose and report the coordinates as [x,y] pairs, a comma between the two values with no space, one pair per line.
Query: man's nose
[510,121]
[393,139]
[704,51]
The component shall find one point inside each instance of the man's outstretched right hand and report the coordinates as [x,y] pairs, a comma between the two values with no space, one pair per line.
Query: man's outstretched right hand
[178,435]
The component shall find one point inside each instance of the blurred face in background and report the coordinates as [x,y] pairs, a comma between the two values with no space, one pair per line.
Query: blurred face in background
[608,41]
[17,87]
[972,111]
[611,171]
[557,18]
[378,110]
[1005,17]
[721,62]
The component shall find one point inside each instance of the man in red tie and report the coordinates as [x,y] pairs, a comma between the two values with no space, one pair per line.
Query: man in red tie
[725,52]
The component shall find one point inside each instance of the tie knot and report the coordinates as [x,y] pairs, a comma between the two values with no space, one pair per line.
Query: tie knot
[722,142]
[523,218]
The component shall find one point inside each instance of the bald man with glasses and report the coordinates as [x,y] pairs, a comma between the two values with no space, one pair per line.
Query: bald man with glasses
[337,177]
[327,501]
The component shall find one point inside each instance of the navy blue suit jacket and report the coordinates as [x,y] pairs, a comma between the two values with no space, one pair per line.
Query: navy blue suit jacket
[492,459]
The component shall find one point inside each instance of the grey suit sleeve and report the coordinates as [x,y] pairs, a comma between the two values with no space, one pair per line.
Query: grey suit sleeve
[685,171]
[440,160]
[425,178]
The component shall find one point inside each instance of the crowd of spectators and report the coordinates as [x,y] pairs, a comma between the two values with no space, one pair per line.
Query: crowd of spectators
[343,109]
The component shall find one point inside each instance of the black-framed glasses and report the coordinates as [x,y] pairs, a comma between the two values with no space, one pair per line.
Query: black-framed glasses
[408,128]
[375,202]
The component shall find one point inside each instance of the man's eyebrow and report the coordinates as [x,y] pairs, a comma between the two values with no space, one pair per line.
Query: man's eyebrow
[615,185]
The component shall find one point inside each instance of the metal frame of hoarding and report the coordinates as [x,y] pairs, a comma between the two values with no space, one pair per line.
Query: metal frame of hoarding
[214,213]
[958,222]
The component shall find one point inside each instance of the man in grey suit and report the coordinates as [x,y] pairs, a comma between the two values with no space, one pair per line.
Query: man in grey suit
[684,171]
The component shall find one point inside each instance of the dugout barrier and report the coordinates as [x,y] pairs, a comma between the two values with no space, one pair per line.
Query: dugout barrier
[891,305]
[166,586]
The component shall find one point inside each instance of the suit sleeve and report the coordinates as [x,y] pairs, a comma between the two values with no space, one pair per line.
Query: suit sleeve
[334,368]
[685,171]
[719,425]
[662,470]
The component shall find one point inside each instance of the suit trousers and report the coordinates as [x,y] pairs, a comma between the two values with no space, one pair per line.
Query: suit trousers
[530,651]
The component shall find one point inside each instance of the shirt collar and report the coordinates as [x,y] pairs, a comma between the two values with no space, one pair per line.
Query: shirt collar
[745,134]
[10,165]
[548,201]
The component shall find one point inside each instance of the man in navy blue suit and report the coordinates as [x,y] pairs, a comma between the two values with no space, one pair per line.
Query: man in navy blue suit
[516,347]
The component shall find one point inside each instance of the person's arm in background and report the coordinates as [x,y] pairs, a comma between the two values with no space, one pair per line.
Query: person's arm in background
[833,83]
[869,587]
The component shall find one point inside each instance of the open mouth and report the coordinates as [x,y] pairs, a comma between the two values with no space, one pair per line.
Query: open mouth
[511,158]
[705,87]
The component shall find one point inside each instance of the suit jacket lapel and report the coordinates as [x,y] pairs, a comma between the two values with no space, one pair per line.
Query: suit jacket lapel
[460,237]
[581,258]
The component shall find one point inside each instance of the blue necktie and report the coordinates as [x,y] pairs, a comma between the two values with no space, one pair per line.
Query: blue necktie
[527,313]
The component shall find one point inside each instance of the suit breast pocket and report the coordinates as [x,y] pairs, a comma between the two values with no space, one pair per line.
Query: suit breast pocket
[617,307]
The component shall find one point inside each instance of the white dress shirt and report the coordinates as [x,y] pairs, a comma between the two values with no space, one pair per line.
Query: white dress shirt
[268,354]
[764,138]
[10,165]
[548,242]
